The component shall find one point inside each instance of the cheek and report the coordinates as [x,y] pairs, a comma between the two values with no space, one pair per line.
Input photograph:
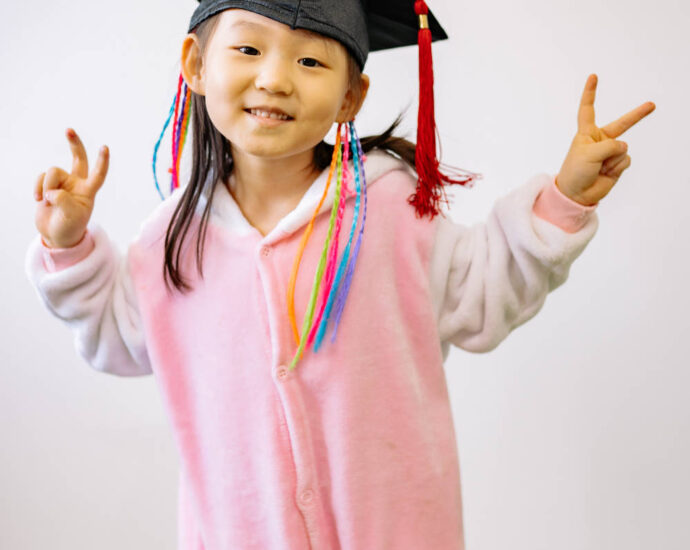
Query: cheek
[222,96]
[218,112]
[323,107]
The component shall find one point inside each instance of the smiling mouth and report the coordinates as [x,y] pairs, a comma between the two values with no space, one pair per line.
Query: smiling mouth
[268,115]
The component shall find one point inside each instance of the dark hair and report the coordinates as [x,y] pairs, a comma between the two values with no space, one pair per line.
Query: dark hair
[211,154]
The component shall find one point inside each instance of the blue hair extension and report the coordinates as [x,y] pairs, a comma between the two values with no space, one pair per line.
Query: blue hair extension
[158,144]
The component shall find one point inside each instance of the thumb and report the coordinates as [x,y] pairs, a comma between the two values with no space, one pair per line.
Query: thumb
[56,197]
[608,148]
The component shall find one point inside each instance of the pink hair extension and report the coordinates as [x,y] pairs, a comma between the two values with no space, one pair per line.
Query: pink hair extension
[184,125]
[172,169]
[333,252]
[177,143]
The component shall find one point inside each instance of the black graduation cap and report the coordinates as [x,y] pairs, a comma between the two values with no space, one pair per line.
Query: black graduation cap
[362,26]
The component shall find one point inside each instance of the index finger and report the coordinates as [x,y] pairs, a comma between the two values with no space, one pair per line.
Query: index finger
[80,163]
[617,127]
[585,115]
[97,177]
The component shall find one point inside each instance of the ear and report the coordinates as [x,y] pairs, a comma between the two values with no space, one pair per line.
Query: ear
[353,102]
[192,64]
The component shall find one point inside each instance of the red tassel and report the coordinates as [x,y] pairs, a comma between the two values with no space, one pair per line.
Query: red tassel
[430,184]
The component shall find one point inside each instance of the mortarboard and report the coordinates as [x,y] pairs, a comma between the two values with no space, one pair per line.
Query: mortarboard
[362,26]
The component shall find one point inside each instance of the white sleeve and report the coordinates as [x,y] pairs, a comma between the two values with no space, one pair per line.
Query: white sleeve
[96,299]
[490,278]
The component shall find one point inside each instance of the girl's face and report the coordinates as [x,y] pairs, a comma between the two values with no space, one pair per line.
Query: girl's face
[252,64]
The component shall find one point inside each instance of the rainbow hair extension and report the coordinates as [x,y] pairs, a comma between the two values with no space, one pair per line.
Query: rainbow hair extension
[181,120]
[344,290]
[351,147]
[305,238]
[319,271]
[322,322]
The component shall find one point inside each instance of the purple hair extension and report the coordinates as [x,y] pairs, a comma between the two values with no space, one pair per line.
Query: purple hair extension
[342,295]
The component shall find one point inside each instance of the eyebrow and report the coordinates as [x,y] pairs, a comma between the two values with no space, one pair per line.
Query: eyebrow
[304,32]
[248,24]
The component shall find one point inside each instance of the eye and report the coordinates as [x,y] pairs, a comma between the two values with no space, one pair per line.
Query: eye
[311,62]
[252,51]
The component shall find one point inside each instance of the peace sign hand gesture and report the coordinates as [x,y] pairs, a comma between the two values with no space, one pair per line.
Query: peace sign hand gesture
[596,160]
[69,198]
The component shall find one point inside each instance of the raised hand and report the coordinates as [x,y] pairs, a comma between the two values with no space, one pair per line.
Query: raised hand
[65,201]
[596,159]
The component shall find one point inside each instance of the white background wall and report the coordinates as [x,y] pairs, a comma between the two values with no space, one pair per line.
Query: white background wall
[573,434]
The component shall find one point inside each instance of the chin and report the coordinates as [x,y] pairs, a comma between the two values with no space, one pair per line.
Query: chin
[261,150]
[266,149]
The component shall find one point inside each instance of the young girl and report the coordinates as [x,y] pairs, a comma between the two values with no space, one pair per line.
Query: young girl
[288,439]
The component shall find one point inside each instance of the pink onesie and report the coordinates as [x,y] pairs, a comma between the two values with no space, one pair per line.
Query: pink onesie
[355,449]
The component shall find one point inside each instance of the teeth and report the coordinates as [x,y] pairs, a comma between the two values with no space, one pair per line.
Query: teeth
[266,114]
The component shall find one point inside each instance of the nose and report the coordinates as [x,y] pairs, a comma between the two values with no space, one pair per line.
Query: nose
[274,75]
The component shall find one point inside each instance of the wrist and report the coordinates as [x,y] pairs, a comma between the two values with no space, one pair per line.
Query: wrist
[59,245]
[580,202]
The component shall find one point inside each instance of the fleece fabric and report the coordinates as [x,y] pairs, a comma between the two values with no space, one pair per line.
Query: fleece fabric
[355,448]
